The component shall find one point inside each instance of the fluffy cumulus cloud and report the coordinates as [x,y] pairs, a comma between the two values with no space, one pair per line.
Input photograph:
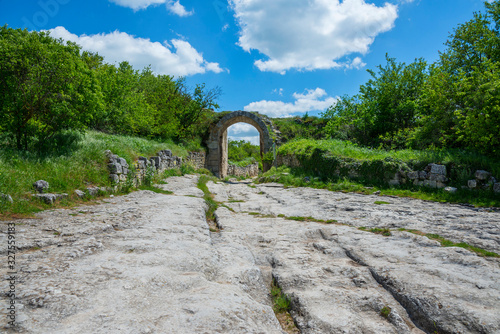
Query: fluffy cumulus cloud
[176,58]
[173,6]
[310,35]
[243,131]
[312,100]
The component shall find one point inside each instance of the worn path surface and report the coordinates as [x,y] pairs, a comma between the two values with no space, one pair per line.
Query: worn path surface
[147,263]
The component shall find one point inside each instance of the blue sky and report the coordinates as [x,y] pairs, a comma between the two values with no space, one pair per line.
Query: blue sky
[279,57]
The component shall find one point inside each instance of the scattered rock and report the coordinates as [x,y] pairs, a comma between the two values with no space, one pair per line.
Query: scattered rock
[482,175]
[41,186]
[93,191]
[47,198]
[7,198]
[79,193]
[451,190]
[472,184]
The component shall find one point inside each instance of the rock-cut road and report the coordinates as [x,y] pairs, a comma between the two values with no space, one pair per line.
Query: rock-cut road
[149,263]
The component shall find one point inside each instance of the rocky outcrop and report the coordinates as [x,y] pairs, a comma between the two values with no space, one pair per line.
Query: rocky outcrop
[484,180]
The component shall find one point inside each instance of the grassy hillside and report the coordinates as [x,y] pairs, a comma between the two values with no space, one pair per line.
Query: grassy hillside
[466,161]
[76,165]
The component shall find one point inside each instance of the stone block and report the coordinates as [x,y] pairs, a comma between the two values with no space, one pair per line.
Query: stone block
[413,175]
[472,184]
[61,196]
[496,188]
[47,198]
[125,170]
[438,178]
[141,164]
[115,168]
[156,161]
[440,185]
[438,169]
[450,190]
[430,184]
[114,178]
[92,191]
[79,193]
[123,177]
[422,175]
[482,175]
[41,186]
[123,162]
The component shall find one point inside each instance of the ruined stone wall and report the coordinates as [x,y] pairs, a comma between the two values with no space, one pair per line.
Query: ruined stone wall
[197,159]
[432,176]
[248,171]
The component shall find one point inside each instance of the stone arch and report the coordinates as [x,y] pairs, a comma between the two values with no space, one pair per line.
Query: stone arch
[217,142]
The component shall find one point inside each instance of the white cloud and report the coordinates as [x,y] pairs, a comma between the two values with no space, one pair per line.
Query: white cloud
[312,100]
[309,35]
[244,131]
[178,9]
[178,58]
[241,128]
[173,6]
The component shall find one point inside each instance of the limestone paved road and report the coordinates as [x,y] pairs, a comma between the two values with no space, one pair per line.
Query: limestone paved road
[147,263]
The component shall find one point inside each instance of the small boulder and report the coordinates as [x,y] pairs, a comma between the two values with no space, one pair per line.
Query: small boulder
[115,168]
[482,175]
[123,162]
[438,169]
[79,193]
[472,184]
[47,198]
[6,198]
[496,188]
[93,191]
[41,186]
[451,190]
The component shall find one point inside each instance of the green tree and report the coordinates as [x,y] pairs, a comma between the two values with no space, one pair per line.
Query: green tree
[45,87]
[459,104]
[386,108]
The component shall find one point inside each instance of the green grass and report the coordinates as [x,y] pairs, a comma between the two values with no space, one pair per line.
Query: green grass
[155,189]
[76,166]
[381,202]
[243,163]
[448,243]
[385,311]
[383,231]
[208,197]
[281,302]
[349,150]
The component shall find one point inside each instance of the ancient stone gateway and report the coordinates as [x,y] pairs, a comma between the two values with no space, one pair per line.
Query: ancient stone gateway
[217,142]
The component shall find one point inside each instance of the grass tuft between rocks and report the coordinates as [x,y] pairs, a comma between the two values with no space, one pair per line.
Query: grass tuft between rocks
[448,243]
[281,308]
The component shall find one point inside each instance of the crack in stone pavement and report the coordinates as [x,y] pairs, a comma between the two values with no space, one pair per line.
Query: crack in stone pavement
[147,263]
